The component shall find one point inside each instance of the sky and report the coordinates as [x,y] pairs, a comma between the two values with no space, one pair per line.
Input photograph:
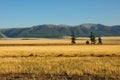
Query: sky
[27,13]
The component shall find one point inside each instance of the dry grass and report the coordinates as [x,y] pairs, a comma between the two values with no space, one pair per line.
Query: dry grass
[100,60]
[103,66]
[106,40]
[56,51]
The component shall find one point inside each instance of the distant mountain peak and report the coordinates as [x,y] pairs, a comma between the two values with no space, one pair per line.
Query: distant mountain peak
[51,30]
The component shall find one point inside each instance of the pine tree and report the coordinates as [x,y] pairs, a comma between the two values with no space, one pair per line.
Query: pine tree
[92,38]
[73,38]
[99,40]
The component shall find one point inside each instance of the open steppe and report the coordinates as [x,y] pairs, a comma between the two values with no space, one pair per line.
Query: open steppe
[57,59]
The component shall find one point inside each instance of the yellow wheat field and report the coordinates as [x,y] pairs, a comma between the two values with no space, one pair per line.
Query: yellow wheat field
[103,66]
[64,50]
[101,60]
[81,40]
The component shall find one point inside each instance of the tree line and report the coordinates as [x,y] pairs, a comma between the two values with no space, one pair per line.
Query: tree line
[92,39]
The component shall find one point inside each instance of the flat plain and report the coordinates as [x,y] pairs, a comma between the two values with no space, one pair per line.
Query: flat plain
[57,59]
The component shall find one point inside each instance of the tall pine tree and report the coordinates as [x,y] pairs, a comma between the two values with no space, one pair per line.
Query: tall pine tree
[99,40]
[92,38]
[73,38]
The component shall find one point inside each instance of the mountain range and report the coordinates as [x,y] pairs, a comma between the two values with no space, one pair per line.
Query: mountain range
[57,31]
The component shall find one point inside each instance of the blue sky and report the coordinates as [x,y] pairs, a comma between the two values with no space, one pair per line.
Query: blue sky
[26,13]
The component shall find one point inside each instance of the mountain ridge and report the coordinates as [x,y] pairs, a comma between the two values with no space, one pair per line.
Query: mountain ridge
[55,31]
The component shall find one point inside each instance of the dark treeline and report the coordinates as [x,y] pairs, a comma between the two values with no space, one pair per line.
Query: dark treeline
[92,39]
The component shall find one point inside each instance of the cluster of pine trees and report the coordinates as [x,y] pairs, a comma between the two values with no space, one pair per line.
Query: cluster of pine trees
[91,41]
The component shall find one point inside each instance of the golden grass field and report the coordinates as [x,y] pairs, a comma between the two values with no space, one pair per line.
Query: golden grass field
[58,56]
[106,40]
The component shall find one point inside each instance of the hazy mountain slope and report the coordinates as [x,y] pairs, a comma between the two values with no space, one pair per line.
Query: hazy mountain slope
[52,31]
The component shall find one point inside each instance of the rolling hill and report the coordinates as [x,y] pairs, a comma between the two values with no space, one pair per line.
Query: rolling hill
[56,31]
